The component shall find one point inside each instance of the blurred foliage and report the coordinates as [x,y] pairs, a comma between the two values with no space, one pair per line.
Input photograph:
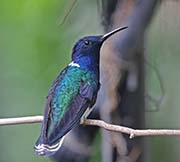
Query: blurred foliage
[163,51]
[33,49]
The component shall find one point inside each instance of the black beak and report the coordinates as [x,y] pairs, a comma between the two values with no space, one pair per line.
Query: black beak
[107,35]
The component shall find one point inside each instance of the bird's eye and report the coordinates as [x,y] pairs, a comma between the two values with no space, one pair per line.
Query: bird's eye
[86,42]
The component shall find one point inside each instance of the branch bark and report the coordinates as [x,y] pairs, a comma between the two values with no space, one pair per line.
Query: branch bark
[21,120]
[132,132]
[110,127]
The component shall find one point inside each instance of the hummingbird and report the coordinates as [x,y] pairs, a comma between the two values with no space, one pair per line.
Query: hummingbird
[72,94]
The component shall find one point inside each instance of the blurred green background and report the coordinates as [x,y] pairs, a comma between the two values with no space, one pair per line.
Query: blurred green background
[33,49]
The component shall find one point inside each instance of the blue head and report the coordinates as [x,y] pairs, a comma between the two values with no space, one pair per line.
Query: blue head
[86,50]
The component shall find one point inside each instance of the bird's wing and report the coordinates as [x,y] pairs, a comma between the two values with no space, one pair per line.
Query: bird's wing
[52,130]
[49,97]
[75,111]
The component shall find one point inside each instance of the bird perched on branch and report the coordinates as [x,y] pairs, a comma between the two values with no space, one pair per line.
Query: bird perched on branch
[72,95]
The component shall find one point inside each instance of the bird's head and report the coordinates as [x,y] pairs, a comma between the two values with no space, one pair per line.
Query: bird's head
[90,46]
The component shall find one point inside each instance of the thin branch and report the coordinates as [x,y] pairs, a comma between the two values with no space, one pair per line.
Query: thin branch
[132,132]
[21,120]
[68,13]
[99,123]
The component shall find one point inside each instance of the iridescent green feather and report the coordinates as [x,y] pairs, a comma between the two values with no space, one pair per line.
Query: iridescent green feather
[66,90]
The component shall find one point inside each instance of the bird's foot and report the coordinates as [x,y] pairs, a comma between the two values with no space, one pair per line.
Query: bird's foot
[82,120]
[85,115]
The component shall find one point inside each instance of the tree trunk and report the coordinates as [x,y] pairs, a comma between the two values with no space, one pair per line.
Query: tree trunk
[122,76]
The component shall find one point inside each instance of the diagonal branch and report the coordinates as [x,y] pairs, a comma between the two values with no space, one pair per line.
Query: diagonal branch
[99,123]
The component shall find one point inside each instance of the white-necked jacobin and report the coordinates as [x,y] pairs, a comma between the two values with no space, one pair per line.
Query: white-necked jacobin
[72,94]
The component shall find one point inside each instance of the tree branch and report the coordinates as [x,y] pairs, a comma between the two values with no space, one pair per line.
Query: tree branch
[99,123]
[21,120]
[130,131]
